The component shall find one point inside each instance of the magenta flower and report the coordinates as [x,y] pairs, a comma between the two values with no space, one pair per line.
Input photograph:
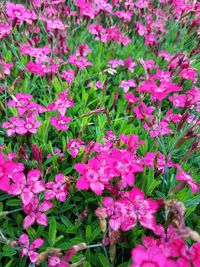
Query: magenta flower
[29,249]
[68,76]
[125,212]
[19,12]
[83,50]
[142,111]
[6,68]
[55,24]
[114,63]
[159,92]
[126,15]
[57,189]
[129,64]
[28,187]
[61,103]
[80,62]
[7,169]
[189,74]
[86,8]
[183,176]
[35,212]
[35,68]
[74,146]
[61,122]
[5,29]
[150,257]
[91,177]
[20,126]
[131,98]
[23,104]
[126,85]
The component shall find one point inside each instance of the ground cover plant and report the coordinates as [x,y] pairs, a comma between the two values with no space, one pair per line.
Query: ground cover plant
[99,137]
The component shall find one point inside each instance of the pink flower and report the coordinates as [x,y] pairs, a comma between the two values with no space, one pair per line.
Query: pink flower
[158,129]
[39,53]
[114,63]
[23,104]
[159,92]
[131,98]
[150,257]
[5,29]
[125,212]
[83,50]
[189,74]
[57,189]
[26,188]
[178,100]
[80,62]
[74,146]
[29,250]
[6,68]
[7,169]
[129,64]
[20,13]
[86,8]
[68,76]
[142,111]
[90,176]
[126,85]
[61,122]
[20,126]
[61,103]
[35,68]
[55,24]
[126,15]
[183,176]
[35,212]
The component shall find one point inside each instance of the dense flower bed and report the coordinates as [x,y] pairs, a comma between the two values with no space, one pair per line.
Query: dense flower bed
[99,145]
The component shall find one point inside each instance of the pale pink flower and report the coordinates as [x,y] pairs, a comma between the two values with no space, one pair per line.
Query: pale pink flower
[126,85]
[114,63]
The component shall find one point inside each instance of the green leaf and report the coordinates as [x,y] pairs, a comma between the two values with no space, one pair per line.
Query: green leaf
[52,231]
[88,232]
[103,260]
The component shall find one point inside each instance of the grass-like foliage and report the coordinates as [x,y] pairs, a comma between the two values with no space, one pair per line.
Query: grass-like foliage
[99,133]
